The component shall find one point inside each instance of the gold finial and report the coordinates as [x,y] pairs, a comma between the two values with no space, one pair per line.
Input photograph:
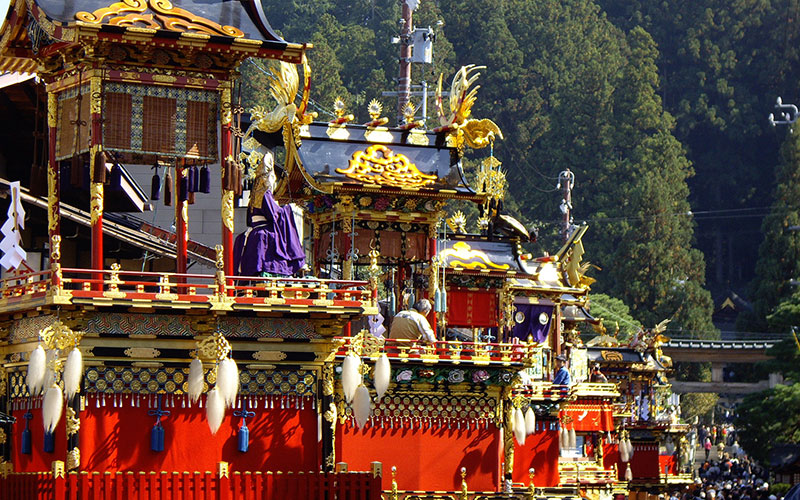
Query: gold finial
[464,490]
[408,112]
[338,107]
[394,482]
[374,109]
[531,487]
[458,222]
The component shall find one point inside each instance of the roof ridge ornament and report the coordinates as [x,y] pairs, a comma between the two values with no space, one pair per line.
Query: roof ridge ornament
[169,17]
[456,121]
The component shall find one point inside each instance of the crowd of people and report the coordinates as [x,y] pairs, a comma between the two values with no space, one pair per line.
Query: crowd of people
[727,473]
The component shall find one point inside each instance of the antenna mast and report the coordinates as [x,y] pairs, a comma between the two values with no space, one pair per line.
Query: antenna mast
[566,181]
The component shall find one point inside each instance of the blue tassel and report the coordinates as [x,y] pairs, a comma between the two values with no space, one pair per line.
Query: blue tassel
[444,301]
[26,442]
[205,180]
[392,310]
[437,300]
[157,438]
[244,439]
[49,442]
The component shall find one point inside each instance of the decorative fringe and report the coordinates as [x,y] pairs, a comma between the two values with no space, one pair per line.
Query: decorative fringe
[37,364]
[530,421]
[73,372]
[168,189]
[563,438]
[350,376]
[155,187]
[195,381]
[630,448]
[228,381]
[383,372]
[623,452]
[215,409]
[362,405]
[51,407]
[519,426]
[205,180]
[573,442]
[628,473]
[99,167]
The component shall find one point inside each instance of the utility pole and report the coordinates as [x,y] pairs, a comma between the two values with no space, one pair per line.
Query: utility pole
[566,181]
[404,78]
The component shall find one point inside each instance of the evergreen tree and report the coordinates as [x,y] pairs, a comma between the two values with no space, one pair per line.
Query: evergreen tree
[779,255]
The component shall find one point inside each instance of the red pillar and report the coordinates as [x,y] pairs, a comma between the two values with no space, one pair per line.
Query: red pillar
[226,153]
[97,172]
[181,218]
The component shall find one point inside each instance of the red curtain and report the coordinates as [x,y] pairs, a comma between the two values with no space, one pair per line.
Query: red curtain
[470,308]
[668,462]
[118,439]
[540,451]
[644,463]
[589,417]
[427,458]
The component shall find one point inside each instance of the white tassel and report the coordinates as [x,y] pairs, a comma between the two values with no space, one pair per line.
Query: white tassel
[630,449]
[362,405]
[73,372]
[196,381]
[350,376]
[37,364]
[628,473]
[563,439]
[51,407]
[530,421]
[228,381]
[383,372]
[215,409]
[519,426]
[573,442]
[623,451]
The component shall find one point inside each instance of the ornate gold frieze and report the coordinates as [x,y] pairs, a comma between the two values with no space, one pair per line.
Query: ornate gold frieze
[3,436]
[96,201]
[52,109]
[225,105]
[227,210]
[462,255]
[142,352]
[73,458]
[73,422]
[131,13]
[269,355]
[380,165]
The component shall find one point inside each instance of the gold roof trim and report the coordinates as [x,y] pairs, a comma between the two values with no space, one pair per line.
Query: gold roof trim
[131,13]
[380,165]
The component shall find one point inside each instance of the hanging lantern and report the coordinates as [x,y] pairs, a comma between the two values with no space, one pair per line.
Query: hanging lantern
[205,180]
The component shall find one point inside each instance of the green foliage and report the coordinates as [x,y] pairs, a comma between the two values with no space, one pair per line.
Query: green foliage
[769,418]
[698,405]
[779,255]
[615,315]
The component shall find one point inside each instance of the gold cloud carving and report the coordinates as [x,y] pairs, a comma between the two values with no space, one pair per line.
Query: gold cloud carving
[380,165]
[462,255]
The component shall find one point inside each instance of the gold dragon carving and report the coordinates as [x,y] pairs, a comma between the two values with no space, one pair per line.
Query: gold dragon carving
[380,165]
[456,119]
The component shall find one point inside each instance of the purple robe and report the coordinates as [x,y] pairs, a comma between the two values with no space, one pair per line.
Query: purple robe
[530,324]
[270,244]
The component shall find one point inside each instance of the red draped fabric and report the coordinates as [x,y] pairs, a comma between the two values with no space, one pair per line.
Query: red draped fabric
[118,439]
[668,464]
[588,417]
[540,451]
[645,461]
[427,458]
[470,308]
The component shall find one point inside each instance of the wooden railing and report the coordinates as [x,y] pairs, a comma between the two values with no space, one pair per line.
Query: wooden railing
[187,289]
[473,353]
[191,485]
[577,473]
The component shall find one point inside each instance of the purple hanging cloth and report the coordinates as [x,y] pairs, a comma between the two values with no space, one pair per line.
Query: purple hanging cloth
[271,244]
[532,320]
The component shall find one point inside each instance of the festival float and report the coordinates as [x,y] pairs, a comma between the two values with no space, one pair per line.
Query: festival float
[275,375]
